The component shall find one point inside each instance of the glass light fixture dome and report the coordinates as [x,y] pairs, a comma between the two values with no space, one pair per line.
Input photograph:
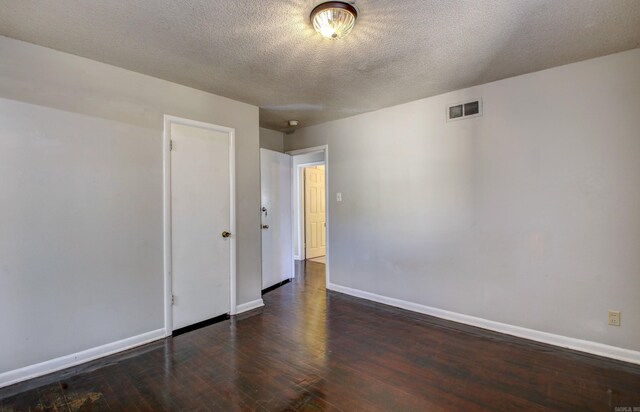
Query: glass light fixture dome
[334,19]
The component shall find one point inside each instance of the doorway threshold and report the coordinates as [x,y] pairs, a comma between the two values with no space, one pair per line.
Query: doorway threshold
[199,325]
[276,286]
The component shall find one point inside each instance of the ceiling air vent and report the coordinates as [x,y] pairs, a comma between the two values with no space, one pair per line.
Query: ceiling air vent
[464,110]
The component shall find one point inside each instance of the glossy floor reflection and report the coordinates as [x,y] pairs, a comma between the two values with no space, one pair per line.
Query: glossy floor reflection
[309,350]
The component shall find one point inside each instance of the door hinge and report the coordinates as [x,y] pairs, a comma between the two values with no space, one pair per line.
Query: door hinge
[173,299]
[171,144]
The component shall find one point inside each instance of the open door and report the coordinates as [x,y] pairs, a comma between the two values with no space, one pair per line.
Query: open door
[275,187]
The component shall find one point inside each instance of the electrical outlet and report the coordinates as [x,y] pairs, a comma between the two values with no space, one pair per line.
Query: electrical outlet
[614,317]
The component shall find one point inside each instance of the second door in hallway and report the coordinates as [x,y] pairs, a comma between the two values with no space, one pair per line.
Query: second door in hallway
[314,210]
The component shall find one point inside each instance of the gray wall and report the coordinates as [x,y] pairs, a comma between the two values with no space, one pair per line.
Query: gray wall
[528,215]
[272,140]
[81,200]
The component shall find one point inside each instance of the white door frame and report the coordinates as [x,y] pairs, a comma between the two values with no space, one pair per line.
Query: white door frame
[299,203]
[166,184]
[325,149]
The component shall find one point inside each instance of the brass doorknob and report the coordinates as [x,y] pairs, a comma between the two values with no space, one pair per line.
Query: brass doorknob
[226,234]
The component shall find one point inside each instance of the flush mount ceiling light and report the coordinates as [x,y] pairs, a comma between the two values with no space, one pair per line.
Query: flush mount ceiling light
[334,19]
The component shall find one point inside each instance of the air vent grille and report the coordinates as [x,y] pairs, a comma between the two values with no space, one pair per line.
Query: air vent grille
[464,110]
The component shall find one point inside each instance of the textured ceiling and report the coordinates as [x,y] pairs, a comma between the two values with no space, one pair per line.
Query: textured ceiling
[266,53]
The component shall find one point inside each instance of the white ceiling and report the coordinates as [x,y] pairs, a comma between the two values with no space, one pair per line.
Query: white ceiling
[265,52]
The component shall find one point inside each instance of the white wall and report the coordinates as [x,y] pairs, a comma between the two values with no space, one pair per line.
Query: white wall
[81,200]
[298,195]
[272,140]
[528,215]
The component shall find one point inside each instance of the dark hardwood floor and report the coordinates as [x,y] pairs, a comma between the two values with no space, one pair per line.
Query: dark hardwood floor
[313,350]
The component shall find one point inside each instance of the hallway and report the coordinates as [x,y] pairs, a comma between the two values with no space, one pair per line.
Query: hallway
[309,350]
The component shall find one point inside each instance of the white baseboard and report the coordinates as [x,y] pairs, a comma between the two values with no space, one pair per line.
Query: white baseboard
[63,362]
[594,348]
[254,304]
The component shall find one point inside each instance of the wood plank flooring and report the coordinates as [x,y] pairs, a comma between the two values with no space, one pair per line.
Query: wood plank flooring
[313,350]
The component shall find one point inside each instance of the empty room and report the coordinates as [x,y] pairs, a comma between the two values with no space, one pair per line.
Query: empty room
[300,205]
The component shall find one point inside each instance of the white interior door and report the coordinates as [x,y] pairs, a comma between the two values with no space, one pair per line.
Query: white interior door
[200,212]
[314,211]
[275,188]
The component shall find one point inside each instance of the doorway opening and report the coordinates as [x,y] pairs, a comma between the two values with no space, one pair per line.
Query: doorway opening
[310,207]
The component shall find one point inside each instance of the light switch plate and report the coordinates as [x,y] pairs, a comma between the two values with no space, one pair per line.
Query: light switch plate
[338,197]
[614,317]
